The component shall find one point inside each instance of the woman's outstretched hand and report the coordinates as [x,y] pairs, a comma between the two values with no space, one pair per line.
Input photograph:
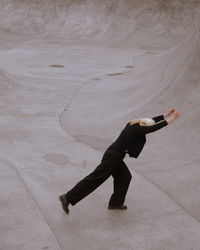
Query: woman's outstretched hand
[176,114]
[169,112]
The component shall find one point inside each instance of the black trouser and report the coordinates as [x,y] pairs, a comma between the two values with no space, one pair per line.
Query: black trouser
[111,164]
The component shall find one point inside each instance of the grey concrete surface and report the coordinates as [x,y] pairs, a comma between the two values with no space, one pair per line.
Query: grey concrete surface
[72,73]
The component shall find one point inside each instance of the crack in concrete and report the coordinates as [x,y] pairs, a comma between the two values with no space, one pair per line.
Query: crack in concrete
[168,195]
[10,165]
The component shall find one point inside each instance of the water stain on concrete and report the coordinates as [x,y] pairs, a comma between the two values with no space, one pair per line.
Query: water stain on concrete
[57,66]
[57,159]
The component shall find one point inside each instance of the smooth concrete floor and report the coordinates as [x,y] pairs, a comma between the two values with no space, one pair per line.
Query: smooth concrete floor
[72,74]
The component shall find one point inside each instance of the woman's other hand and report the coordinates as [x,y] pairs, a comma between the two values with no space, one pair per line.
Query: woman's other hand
[175,115]
[169,112]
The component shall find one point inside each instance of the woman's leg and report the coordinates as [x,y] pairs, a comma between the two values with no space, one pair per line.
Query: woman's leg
[110,161]
[122,178]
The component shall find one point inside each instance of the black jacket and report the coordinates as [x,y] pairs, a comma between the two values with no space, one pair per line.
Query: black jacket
[133,137]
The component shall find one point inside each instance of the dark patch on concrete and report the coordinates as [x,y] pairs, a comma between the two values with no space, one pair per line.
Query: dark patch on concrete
[57,66]
[129,67]
[57,159]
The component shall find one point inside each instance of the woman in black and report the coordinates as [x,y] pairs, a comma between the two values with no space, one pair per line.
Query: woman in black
[131,140]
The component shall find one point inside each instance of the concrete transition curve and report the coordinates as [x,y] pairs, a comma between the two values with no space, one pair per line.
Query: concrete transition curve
[72,73]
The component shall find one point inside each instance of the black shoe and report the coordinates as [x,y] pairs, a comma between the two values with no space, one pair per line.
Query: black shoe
[64,203]
[122,207]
